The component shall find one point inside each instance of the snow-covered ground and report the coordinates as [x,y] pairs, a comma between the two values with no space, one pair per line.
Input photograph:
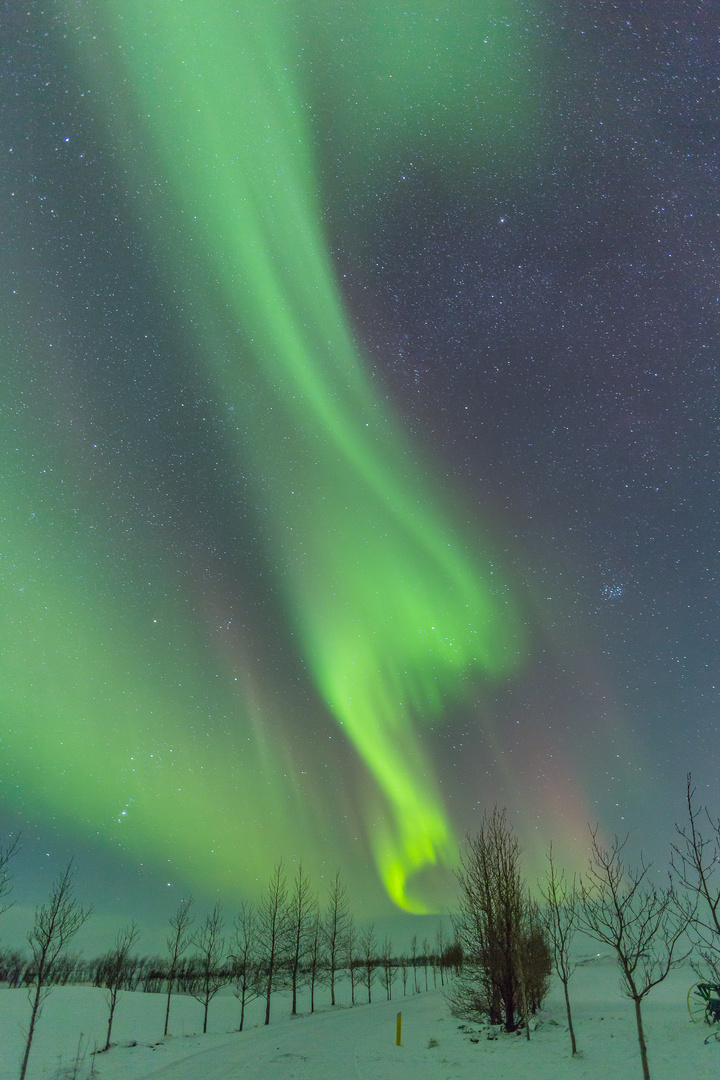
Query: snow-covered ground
[352,1043]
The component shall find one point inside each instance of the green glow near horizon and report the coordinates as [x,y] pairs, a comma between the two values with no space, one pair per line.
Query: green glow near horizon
[395,603]
[106,678]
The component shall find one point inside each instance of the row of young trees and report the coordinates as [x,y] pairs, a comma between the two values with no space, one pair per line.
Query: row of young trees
[510,944]
[504,948]
[286,941]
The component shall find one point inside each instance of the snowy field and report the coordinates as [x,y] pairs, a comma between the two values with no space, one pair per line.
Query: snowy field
[359,1043]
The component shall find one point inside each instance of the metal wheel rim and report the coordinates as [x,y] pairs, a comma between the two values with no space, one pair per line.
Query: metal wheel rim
[696,1004]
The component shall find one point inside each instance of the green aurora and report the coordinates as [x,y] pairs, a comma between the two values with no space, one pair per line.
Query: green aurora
[395,604]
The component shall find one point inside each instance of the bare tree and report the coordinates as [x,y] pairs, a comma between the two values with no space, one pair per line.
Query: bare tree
[695,860]
[302,909]
[335,926]
[273,922]
[404,963]
[177,942]
[495,927]
[114,972]
[55,924]
[413,961]
[246,975]
[440,948]
[351,940]
[152,974]
[425,958]
[368,948]
[314,956]
[560,919]
[534,961]
[12,966]
[7,854]
[388,967]
[643,924]
[209,960]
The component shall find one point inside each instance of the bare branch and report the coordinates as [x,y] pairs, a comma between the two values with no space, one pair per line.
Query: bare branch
[695,860]
[55,924]
[247,977]
[642,923]
[177,942]
[210,960]
[7,854]
[560,920]
[116,971]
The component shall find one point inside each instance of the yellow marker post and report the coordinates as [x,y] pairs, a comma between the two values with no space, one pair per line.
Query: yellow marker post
[398,1030]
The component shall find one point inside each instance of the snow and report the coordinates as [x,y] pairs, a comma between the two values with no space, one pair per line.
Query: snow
[346,1043]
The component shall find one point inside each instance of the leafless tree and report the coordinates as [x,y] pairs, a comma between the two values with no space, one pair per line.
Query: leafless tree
[453,956]
[210,958]
[642,923]
[440,948]
[367,946]
[151,974]
[413,961]
[12,966]
[388,967]
[55,924]
[335,925]
[246,975]
[302,909]
[696,860]
[177,942]
[425,959]
[351,959]
[314,956]
[404,964]
[534,961]
[7,854]
[560,919]
[273,924]
[115,972]
[495,926]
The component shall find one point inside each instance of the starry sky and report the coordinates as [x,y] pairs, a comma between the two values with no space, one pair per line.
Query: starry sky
[359,436]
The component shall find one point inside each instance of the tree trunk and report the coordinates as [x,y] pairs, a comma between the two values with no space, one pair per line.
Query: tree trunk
[268,992]
[523,998]
[31,1032]
[113,1002]
[508,1001]
[569,1017]
[641,1040]
[167,1010]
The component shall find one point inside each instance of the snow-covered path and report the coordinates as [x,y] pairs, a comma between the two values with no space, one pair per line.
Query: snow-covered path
[359,1043]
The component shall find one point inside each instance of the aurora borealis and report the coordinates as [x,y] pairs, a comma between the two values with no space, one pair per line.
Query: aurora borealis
[389,609]
[284,282]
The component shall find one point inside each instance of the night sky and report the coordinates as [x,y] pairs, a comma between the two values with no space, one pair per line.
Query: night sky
[359,437]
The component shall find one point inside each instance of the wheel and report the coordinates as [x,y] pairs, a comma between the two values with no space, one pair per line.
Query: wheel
[696,1002]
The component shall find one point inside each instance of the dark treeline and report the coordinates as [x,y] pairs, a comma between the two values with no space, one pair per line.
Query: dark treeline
[396,974]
